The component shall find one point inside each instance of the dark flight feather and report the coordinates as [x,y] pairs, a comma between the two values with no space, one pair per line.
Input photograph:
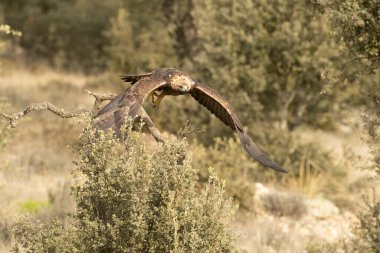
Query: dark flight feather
[134,78]
[220,107]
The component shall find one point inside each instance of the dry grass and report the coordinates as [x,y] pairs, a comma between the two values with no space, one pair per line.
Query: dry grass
[36,161]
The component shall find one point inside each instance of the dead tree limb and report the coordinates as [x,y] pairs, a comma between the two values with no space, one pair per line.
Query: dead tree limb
[41,106]
[99,98]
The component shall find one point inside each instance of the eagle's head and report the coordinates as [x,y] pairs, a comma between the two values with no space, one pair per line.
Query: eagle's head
[181,82]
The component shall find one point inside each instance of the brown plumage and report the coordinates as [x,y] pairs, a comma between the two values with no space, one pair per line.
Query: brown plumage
[173,82]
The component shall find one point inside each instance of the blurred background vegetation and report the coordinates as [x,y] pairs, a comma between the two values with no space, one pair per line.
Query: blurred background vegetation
[303,76]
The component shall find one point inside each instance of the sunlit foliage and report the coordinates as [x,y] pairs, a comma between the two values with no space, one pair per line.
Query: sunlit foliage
[135,198]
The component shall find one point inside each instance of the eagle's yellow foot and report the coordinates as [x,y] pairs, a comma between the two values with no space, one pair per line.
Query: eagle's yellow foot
[152,95]
[158,100]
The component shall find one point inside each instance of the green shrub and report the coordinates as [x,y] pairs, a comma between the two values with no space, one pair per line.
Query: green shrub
[267,56]
[355,24]
[132,197]
[59,27]
[131,44]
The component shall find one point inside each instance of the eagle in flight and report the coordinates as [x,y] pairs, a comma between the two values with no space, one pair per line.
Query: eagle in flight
[168,81]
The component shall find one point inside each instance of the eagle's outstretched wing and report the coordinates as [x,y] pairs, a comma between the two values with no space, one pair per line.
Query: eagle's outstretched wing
[220,107]
[113,114]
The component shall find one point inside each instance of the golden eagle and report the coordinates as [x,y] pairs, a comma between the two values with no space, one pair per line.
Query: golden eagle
[169,81]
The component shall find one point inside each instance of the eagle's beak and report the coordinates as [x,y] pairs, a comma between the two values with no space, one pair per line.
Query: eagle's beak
[184,88]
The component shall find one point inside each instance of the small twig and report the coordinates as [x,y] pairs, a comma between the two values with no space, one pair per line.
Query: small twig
[187,129]
[99,98]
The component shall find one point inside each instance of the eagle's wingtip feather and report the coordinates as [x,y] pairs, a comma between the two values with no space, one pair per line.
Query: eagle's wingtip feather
[254,151]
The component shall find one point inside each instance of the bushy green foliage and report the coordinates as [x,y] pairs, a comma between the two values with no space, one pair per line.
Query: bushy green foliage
[135,198]
[66,33]
[267,56]
[121,46]
[356,23]
[127,36]
[131,48]
[182,29]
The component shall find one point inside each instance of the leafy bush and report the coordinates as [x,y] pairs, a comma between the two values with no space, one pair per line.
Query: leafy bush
[132,197]
[66,33]
[133,48]
[268,56]
[355,24]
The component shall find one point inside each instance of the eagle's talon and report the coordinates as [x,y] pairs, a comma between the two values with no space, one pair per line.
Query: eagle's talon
[158,99]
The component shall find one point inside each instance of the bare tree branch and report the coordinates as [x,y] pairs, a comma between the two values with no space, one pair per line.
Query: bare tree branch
[99,98]
[41,106]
